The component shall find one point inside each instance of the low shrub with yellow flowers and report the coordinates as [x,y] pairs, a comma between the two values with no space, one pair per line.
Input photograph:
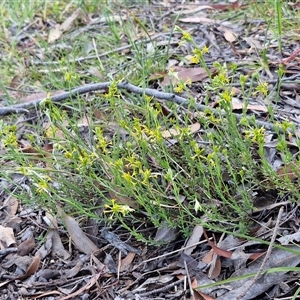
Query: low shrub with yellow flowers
[172,178]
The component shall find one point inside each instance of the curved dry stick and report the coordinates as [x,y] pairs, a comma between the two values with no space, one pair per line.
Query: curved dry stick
[23,107]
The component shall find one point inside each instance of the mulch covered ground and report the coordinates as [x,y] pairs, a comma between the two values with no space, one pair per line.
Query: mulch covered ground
[47,257]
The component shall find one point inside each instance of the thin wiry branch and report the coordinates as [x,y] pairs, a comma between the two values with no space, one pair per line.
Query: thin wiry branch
[24,107]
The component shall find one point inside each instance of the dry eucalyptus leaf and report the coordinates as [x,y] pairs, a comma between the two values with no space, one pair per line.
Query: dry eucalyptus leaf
[250,107]
[54,34]
[228,34]
[26,247]
[57,246]
[278,258]
[68,23]
[174,132]
[11,205]
[202,20]
[166,234]
[34,266]
[82,242]
[7,237]
[193,74]
[287,239]
[192,10]
[126,262]
[193,239]
[290,170]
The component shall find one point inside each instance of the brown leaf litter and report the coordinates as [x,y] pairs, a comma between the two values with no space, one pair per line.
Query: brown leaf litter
[56,257]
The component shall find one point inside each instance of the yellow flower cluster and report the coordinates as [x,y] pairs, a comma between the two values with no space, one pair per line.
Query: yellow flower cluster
[25,170]
[257,135]
[70,76]
[112,93]
[9,139]
[198,55]
[142,132]
[114,208]
[199,152]
[81,158]
[181,86]
[285,125]
[138,173]
[262,88]
[186,36]
[221,79]
[41,181]
[102,142]
[226,96]
[8,135]
[43,185]
[129,178]
[85,159]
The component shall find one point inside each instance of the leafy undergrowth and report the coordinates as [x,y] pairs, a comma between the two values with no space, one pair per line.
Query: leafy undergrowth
[128,174]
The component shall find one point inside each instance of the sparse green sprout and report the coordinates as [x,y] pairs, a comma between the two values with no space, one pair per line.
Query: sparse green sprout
[281,145]
[169,176]
[233,67]
[148,98]
[217,65]
[243,80]
[280,70]
[242,172]
[244,122]
[177,29]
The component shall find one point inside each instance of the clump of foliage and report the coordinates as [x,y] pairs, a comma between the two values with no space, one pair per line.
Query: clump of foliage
[141,162]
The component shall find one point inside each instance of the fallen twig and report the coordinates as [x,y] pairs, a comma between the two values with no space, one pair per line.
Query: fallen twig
[23,107]
[163,289]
